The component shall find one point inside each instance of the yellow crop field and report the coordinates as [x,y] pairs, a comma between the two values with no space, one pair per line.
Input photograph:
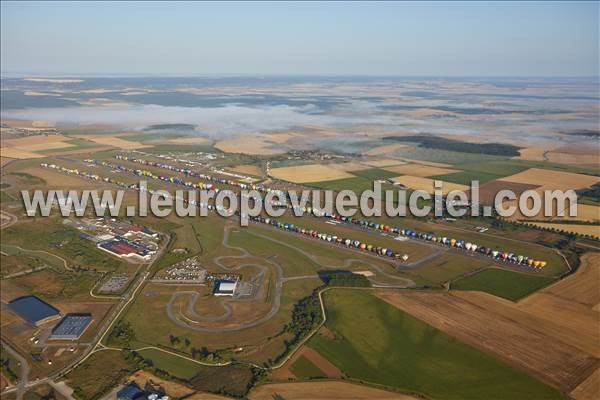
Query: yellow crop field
[26,147]
[250,145]
[114,141]
[309,173]
[246,169]
[427,184]
[553,179]
[385,162]
[388,148]
[189,140]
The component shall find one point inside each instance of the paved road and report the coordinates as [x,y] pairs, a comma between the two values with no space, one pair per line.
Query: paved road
[23,382]
[192,324]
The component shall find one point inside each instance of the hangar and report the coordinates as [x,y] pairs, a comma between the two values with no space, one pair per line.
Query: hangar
[33,310]
[225,288]
[71,327]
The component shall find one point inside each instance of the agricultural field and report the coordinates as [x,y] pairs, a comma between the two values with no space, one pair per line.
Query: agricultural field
[309,173]
[334,390]
[502,283]
[419,170]
[360,347]
[551,334]
[309,318]
[261,146]
[427,184]
[113,141]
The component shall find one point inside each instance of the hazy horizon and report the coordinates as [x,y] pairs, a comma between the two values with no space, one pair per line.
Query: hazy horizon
[440,39]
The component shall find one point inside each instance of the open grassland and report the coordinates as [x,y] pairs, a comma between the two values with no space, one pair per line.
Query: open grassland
[98,374]
[50,285]
[232,380]
[375,342]
[176,366]
[49,234]
[330,390]
[445,267]
[309,173]
[503,283]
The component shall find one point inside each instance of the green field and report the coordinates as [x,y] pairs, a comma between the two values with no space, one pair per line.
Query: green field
[378,343]
[304,368]
[374,173]
[508,284]
[99,373]
[465,177]
[176,366]
[51,235]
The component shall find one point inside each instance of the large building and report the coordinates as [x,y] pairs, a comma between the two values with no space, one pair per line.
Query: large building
[33,310]
[123,248]
[225,288]
[71,327]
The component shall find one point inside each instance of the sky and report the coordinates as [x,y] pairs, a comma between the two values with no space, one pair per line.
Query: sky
[337,38]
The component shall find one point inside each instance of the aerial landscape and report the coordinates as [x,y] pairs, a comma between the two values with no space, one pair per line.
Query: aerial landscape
[217,261]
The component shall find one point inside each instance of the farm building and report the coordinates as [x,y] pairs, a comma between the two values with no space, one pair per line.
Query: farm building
[122,248]
[225,288]
[33,310]
[71,327]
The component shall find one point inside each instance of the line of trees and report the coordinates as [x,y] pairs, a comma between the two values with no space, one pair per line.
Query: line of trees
[440,143]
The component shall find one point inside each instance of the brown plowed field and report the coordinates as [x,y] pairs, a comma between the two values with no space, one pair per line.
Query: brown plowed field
[497,327]
[589,389]
[323,390]
[330,370]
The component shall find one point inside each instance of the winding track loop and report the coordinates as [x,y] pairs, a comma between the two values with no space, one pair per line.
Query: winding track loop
[192,324]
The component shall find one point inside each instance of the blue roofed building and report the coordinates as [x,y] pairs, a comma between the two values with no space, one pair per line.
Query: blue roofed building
[131,391]
[33,310]
[71,327]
